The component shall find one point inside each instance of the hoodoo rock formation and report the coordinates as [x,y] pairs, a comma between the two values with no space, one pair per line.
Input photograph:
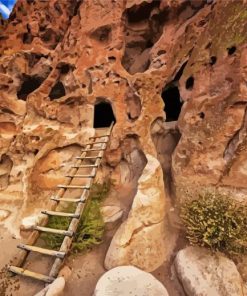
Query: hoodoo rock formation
[171,74]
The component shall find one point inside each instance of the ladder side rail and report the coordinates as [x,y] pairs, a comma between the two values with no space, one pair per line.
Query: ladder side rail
[67,241]
[110,129]
[21,256]
[34,235]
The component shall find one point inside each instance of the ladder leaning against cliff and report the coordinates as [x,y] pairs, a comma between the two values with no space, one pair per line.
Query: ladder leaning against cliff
[75,217]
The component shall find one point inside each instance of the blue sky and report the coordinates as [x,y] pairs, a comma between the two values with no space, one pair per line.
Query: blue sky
[6,7]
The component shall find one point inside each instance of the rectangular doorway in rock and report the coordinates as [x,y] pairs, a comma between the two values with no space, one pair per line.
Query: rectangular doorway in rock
[103,115]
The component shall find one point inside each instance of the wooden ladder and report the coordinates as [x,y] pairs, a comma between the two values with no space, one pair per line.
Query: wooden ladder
[68,234]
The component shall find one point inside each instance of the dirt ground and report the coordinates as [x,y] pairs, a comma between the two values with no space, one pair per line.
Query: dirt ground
[87,267]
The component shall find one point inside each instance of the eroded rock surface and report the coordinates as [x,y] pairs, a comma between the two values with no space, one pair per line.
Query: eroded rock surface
[57,62]
[141,239]
[58,59]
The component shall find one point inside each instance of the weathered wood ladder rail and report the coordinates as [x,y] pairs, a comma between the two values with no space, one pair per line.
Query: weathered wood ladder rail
[75,217]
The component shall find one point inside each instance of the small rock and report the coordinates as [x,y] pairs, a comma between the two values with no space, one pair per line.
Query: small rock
[129,280]
[203,273]
[111,215]
[29,222]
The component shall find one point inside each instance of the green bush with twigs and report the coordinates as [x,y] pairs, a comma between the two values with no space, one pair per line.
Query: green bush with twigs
[216,221]
[91,226]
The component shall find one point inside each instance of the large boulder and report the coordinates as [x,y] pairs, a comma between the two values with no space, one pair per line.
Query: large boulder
[203,273]
[129,280]
[141,239]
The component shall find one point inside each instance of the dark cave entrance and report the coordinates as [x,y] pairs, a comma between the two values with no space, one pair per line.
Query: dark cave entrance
[57,91]
[173,102]
[103,115]
[171,96]
[30,83]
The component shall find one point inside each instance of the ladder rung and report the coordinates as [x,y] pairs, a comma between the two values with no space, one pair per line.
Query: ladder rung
[31,274]
[67,199]
[97,137]
[61,214]
[89,157]
[93,149]
[55,231]
[85,166]
[80,176]
[42,251]
[73,187]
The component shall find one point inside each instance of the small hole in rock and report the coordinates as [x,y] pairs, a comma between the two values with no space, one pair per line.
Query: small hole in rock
[64,69]
[189,82]
[160,52]
[201,115]
[27,38]
[30,83]
[57,91]
[111,59]
[208,45]
[35,152]
[231,50]
[213,60]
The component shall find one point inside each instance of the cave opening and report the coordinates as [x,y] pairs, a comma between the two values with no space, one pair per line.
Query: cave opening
[30,83]
[57,91]
[138,13]
[213,60]
[102,34]
[27,38]
[189,83]
[143,28]
[231,50]
[173,102]
[103,115]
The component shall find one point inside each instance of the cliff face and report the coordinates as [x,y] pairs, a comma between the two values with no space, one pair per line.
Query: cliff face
[60,58]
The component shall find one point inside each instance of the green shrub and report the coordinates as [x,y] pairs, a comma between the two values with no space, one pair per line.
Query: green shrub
[91,226]
[216,221]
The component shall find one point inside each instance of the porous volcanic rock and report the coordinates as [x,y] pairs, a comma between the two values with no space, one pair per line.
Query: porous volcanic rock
[58,59]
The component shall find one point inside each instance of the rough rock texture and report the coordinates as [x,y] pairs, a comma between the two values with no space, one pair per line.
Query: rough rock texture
[128,280]
[60,58]
[141,239]
[204,273]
